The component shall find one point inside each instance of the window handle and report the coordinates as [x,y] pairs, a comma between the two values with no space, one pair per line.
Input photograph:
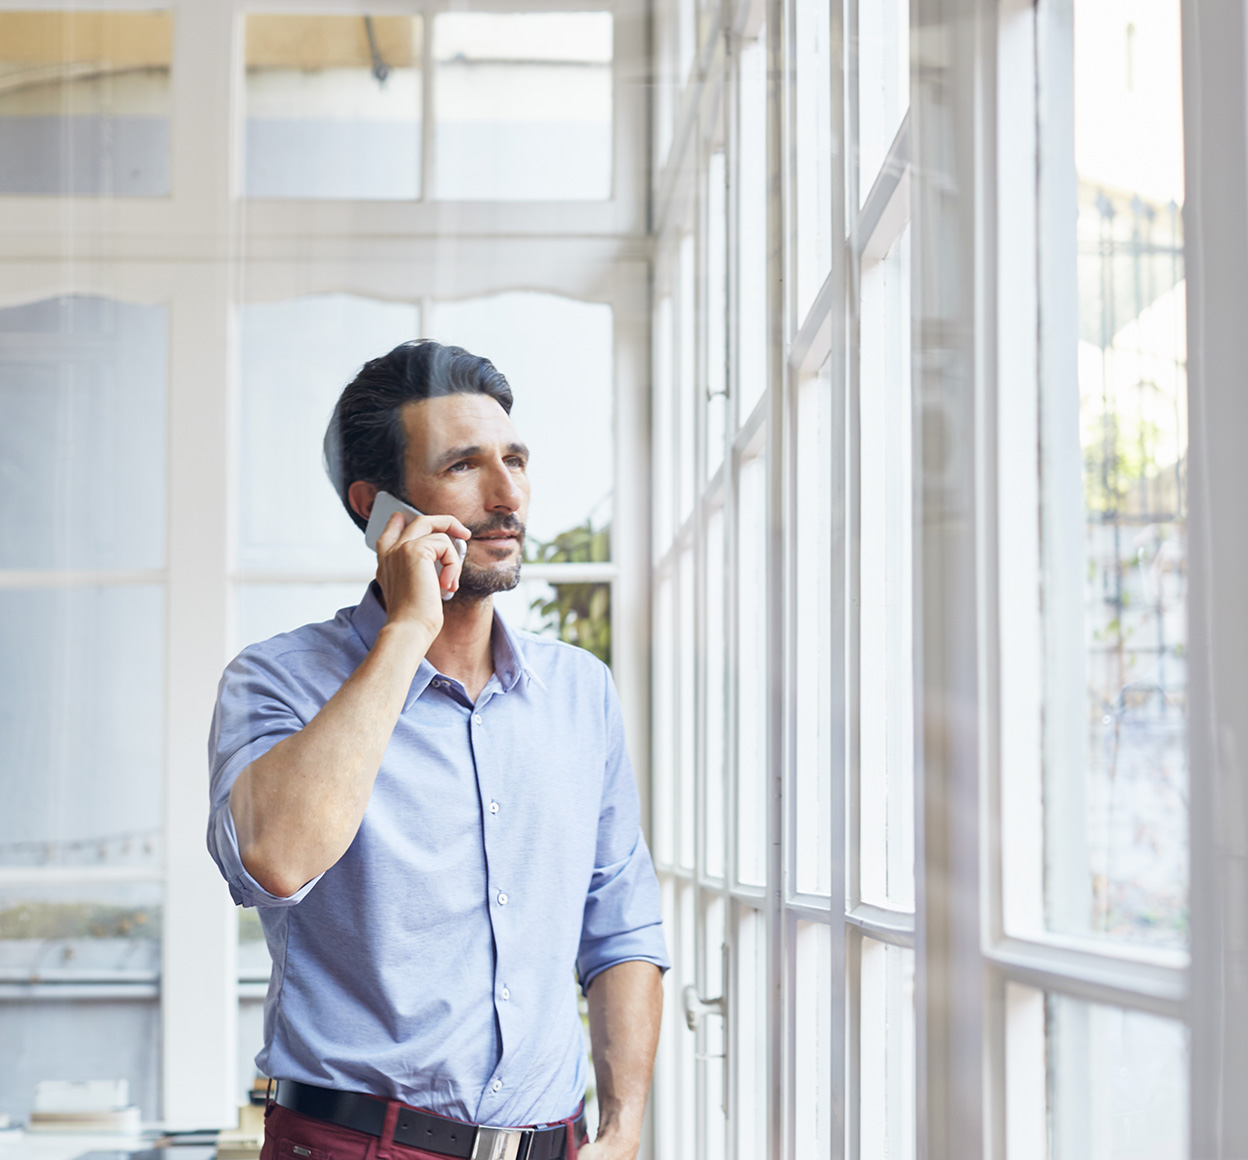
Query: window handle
[695,1006]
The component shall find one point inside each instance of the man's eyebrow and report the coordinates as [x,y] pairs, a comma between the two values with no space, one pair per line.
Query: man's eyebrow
[455,454]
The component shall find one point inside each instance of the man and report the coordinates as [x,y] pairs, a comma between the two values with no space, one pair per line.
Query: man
[436,816]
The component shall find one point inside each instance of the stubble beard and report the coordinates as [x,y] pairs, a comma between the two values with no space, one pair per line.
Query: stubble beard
[476,583]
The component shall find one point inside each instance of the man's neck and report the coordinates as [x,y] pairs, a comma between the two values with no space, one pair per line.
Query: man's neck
[462,649]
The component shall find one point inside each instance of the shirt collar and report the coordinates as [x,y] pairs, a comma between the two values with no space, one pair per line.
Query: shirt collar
[510,663]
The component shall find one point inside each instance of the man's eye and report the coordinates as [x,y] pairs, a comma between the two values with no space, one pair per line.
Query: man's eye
[462,465]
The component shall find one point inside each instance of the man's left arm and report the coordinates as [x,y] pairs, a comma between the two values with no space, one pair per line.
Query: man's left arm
[625,1008]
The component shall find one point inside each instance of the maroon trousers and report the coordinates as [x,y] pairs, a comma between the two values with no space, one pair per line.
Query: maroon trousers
[291,1136]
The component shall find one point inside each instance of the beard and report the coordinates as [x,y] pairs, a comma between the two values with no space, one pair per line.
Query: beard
[475,582]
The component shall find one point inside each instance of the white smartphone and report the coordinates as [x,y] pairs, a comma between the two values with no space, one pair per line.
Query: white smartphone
[384,506]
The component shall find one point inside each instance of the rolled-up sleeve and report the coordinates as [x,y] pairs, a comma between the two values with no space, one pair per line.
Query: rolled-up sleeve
[623,919]
[254,712]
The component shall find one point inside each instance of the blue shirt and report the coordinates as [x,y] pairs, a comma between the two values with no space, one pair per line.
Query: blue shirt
[501,848]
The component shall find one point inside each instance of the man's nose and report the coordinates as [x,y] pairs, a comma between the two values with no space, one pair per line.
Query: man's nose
[505,493]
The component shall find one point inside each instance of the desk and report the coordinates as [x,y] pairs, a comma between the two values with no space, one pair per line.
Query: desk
[70,1145]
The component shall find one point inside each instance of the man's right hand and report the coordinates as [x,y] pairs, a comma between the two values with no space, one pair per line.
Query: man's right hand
[407,556]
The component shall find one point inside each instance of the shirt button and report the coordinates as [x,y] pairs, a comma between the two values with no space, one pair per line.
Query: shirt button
[497,1085]
[493,807]
[506,993]
[502,898]
[476,718]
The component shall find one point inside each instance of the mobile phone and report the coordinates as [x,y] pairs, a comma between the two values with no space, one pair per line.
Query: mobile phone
[384,506]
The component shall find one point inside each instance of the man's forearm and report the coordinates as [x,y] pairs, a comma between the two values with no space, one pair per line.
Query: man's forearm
[625,1009]
[298,808]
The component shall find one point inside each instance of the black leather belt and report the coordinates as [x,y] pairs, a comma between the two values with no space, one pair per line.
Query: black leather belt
[417,1129]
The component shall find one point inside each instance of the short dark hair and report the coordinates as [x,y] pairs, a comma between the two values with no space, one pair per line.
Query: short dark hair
[366,439]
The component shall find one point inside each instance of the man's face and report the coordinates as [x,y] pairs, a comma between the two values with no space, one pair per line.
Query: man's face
[465,459]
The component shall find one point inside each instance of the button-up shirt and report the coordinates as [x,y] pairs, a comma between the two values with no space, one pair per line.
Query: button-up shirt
[500,850]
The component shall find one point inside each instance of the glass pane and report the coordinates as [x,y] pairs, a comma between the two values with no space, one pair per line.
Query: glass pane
[685,717]
[716,690]
[886,1109]
[752,228]
[716,312]
[82,434]
[814,151]
[84,103]
[749,1025]
[1115,496]
[295,358]
[663,714]
[813,1046]
[665,81]
[81,726]
[523,104]
[104,932]
[886,634]
[564,407]
[817,452]
[686,382]
[883,83]
[1118,1083]
[751,803]
[332,106]
[664,433]
[55,1038]
[576,612]
[264,610]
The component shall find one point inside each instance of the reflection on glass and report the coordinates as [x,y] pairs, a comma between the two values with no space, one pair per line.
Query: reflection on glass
[332,106]
[84,102]
[50,933]
[814,151]
[574,612]
[81,735]
[886,647]
[524,106]
[558,355]
[751,674]
[1118,809]
[883,83]
[1118,1083]
[812,1079]
[815,714]
[82,434]
[295,358]
[886,1111]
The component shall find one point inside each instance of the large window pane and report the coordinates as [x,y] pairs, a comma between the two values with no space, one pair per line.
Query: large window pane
[82,434]
[883,83]
[84,102]
[333,106]
[752,689]
[812,1075]
[264,610]
[716,311]
[295,357]
[886,1091]
[524,106]
[564,406]
[818,455]
[814,151]
[886,645]
[686,708]
[576,612]
[663,709]
[715,686]
[1115,497]
[752,329]
[81,725]
[1118,1087]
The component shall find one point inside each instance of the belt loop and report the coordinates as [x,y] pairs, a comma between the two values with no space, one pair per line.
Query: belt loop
[385,1144]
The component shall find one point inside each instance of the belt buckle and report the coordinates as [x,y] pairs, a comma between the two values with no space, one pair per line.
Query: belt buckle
[501,1143]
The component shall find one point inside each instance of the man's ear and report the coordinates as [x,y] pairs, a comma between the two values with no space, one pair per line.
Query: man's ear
[362,496]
